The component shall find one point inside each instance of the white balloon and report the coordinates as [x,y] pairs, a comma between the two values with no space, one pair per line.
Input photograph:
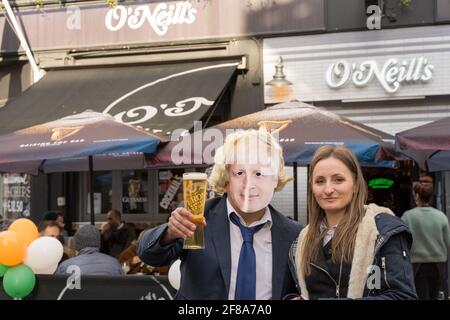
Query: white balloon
[50,270]
[44,253]
[175,274]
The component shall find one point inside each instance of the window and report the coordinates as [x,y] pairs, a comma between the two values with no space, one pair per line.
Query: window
[135,192]
[102,192]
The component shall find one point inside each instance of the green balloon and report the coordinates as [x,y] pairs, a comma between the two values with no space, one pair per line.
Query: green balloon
[3,269]
[19,281]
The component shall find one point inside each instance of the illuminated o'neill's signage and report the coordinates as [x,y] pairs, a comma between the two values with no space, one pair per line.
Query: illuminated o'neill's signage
[381,183]
[391,75]
[159,19]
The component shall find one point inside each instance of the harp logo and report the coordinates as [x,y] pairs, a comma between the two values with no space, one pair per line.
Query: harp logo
[59,134]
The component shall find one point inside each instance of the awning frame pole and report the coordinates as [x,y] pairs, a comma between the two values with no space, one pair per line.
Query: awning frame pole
[23,42]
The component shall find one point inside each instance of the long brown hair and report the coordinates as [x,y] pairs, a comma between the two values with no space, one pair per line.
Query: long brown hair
[343,243]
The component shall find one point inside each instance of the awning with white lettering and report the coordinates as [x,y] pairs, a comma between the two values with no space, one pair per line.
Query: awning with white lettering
[158,98]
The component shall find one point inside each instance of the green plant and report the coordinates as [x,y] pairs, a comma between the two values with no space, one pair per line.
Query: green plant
[405,3]
[112,3]
[39,4]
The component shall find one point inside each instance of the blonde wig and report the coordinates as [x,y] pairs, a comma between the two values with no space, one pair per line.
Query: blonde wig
[248,147]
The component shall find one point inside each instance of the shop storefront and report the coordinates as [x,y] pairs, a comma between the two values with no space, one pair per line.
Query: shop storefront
[391,80]
[157,65]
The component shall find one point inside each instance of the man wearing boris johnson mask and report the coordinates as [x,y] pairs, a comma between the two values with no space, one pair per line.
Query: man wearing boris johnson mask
[234,246]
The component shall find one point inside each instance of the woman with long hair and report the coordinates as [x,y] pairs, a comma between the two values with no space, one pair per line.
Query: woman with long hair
[349,249]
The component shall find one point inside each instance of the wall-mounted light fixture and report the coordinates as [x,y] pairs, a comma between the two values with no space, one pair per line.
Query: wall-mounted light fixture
[280,89]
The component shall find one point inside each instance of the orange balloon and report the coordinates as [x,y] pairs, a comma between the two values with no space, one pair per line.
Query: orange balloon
[12,248]
[26,229]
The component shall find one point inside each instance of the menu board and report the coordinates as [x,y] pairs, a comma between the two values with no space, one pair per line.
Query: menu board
[16,195]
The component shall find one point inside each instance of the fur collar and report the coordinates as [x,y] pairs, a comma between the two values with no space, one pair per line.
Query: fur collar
[362,257]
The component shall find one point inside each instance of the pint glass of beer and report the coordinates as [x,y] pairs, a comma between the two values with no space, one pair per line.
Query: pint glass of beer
[194,193]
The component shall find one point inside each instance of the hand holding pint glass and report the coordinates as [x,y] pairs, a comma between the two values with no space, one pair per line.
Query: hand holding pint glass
[194,194]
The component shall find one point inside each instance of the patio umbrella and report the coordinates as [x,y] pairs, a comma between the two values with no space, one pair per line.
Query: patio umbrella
[301,128]
[428,145]
[79,137]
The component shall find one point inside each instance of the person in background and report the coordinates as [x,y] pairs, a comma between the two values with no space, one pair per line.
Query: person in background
[5,223]
[49,216]
[349,249]
[431,234]
[425,178]
[130,258]
[89,259]
[62,225]
[116,234]
[50,228]
[58,217]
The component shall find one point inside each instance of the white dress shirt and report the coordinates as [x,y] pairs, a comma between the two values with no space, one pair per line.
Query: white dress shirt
[262,244]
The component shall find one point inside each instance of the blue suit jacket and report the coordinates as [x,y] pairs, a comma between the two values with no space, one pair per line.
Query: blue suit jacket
[205,274]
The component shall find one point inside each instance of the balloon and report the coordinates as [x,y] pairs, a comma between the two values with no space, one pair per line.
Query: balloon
[3,269]
[12,248]
[44,253]
[26,229]
[19,281]
[175,274]
[50,270]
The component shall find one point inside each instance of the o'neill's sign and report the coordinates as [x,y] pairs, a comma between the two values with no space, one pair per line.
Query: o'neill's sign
[160,18]
[391,75]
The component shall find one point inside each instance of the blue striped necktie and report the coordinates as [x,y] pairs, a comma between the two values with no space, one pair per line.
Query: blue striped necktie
[246,273]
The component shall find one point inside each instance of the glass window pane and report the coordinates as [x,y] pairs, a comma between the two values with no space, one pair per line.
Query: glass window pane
[102,192]
[135,191]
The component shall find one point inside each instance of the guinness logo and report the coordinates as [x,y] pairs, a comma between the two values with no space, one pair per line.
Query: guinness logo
[63,133]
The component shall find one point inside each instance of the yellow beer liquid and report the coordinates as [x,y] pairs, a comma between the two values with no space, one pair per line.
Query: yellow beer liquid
[194,194]
[198,220]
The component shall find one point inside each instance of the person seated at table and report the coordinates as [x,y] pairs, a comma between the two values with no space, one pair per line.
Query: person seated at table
[49,228]
[52,229]
[137,266]
[89,259]
[58,217]
[116,234]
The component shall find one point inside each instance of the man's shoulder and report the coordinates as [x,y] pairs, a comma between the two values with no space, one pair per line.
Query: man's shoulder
[63,265]
[106,258]
[211,204]
[412,211]
[284,221]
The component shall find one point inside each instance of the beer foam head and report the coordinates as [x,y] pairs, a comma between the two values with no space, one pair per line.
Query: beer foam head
[194,176]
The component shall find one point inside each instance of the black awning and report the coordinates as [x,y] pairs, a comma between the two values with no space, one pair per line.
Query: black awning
[158,98]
